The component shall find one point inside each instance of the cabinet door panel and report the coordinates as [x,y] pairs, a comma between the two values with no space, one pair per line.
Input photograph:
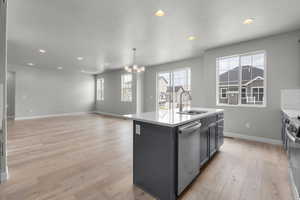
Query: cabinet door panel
[220,129]
[154,161]
[204,148]
[212,139]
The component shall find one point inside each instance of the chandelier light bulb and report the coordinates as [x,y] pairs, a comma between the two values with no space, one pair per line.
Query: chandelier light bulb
[134,67]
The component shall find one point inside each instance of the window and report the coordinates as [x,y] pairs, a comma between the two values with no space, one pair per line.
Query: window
[223,93]
[258,94]
[241,79]
[244,91]
[170,85]
[126,87]
[100,89]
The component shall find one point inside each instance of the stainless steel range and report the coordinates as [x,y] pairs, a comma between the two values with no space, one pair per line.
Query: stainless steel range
[293,149]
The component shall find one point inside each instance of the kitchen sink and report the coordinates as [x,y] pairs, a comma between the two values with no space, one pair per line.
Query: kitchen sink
[192,112]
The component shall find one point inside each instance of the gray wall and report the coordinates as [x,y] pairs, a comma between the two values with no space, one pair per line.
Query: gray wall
[283,71]
[139,93]
[112,95]
[197,84]
[11,94]
[3,132]
[47,92]
[2,44]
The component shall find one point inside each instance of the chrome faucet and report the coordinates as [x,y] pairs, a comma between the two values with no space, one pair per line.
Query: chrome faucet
[181,95]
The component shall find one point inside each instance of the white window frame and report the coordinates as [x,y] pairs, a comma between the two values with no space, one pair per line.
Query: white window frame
[123,99]
[100,89]
[264,104]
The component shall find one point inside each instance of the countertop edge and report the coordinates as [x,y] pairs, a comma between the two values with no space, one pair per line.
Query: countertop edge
[201,116]
[290,112]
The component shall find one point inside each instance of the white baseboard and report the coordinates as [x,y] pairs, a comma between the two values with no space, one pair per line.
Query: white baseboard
[253,138]
[54,115]
[111,114]
[4,176]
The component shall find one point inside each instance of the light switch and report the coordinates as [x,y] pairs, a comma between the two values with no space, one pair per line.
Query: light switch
[138,129]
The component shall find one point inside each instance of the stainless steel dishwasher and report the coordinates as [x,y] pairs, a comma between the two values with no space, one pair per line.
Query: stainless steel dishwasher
[188,154]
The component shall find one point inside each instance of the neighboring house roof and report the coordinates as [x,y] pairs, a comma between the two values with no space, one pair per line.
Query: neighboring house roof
[163,78]
[256,78]
[247,73]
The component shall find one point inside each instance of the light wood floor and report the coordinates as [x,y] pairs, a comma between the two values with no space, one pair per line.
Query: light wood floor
[89,157]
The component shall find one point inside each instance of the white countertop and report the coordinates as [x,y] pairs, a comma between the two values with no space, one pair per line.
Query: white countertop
[171,118]
[291,113]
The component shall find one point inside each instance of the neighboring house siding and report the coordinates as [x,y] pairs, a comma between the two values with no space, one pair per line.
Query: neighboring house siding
[251,77]
[163,86]
[249,73]
[255,84]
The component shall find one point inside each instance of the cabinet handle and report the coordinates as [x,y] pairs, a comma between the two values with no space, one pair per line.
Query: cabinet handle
[191,128]
[290,136]
[220,121]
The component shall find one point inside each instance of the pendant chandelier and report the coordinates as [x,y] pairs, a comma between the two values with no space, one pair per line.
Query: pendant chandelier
[134,68]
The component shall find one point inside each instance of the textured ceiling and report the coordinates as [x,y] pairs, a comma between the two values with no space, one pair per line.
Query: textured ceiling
[104,32]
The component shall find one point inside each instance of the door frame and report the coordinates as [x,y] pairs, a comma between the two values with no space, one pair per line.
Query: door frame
[171,71]
[3,69]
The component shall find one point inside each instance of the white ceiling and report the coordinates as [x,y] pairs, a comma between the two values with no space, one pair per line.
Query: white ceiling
[104,32]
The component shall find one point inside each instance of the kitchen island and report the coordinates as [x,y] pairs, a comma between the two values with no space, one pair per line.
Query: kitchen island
[169,148]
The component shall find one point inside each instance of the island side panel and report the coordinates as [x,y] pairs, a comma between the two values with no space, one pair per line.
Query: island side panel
[155,160]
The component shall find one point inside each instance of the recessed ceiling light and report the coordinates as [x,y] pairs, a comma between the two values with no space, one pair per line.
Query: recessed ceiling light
[248,21]
[191,37]
[160,13]
[79,58]
[30,64]
[82,71]
[42,51]
[60,68]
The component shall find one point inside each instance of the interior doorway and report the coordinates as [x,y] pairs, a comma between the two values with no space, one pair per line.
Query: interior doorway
[11,94]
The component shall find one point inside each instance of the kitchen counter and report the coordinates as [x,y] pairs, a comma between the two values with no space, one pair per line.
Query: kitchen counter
[170,148]
[172,118]
[291,113]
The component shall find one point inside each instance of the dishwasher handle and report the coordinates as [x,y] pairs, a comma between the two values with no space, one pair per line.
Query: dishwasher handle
[290,136]
[190,128]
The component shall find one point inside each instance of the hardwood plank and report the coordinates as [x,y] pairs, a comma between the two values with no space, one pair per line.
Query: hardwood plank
[89,157]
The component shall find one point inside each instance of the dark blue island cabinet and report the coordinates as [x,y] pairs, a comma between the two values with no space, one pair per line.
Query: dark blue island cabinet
[156,153]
